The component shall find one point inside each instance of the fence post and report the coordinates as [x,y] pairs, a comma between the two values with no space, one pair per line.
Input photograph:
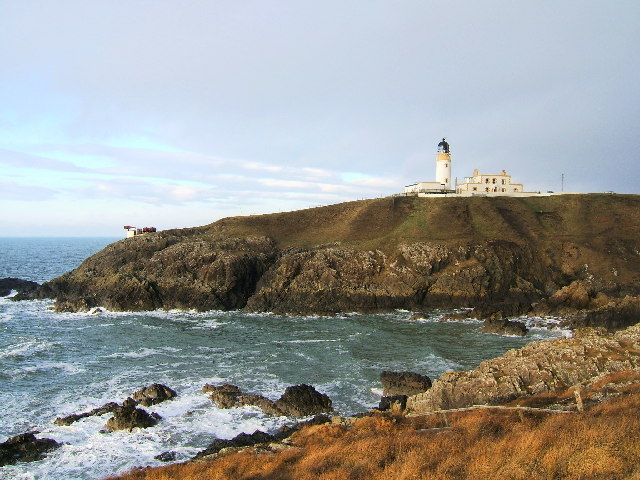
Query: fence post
[578,396]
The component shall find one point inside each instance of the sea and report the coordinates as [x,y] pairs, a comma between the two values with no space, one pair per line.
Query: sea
[55,364]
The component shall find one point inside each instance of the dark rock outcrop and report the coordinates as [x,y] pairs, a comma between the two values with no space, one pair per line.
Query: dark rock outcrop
[302,401]
[25,448]
[504,327]
[153,394]
[69,419]
[167,270]
[147,396]
[296,401]
[128,417]
[403,383]
[230,396]
[539,367]
[23,287]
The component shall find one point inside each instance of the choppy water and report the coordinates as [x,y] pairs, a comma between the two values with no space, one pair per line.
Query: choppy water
[56,364]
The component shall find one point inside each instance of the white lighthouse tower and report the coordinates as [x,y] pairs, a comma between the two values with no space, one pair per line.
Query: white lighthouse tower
[443,165]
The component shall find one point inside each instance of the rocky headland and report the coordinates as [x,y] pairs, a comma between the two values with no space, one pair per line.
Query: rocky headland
[574,255]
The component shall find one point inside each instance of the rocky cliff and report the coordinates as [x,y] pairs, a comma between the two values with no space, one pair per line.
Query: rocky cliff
[502,255]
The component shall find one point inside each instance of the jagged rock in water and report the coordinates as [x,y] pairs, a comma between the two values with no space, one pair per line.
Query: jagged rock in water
[25,448]
[230,396]
[129,417]
[539,367]
[68,420]
[302,401]
[403,383]
[21,286]
[296,401]
[169,456]
[241,440]
[504,327]
[153,394]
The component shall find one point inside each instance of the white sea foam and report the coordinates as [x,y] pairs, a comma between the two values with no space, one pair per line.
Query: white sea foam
[261,353]
[143,352]
[27,346]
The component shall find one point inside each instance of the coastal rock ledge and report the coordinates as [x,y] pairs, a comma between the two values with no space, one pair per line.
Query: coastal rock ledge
[504,256]
[538,368]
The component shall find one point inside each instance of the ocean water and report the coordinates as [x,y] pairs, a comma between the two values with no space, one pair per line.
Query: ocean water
[54,364]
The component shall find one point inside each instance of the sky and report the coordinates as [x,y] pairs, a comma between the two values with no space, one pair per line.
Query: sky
[172,113]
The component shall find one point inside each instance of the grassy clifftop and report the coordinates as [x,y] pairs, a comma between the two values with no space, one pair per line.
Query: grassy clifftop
[386,222]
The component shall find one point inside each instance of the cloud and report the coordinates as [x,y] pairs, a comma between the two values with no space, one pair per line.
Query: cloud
[295,100]
[28,161]
[28,193]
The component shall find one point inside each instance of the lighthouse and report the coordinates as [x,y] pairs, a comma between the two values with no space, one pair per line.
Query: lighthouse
[443,165]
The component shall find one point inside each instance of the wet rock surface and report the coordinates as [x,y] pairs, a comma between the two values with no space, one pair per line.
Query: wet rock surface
[25,448]
[296,401]
[302,401]
[70,419]
[539,367]
[153,394]
[128,417]
[21,286]
[147,396]
[230,396]
[504,327]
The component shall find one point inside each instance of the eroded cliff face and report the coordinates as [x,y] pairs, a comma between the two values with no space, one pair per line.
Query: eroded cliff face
[503,255]
[167,271]
[417,275]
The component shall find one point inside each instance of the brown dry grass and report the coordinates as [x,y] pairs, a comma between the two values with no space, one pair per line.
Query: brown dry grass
[601,443]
